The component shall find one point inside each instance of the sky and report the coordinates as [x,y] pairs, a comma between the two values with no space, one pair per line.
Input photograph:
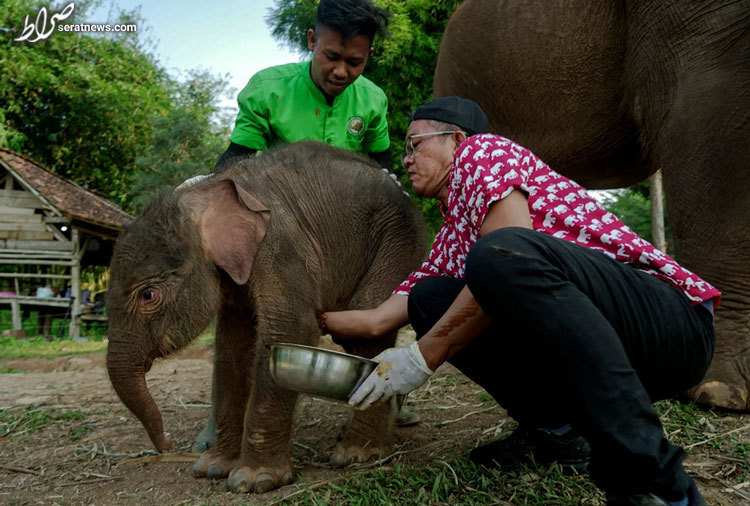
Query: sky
[223,36]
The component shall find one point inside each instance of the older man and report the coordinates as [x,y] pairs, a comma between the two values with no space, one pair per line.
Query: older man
[561,312]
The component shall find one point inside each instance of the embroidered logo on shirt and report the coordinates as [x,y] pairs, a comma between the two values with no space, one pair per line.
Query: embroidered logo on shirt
[355,125]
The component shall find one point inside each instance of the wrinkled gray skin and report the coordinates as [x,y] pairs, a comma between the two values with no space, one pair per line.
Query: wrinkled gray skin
[260,247]
[608,92]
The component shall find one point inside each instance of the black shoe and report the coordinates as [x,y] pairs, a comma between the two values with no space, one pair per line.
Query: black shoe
[571,451]
[694,499]
[406,418]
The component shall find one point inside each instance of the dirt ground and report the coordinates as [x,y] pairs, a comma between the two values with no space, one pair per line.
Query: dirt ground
[105,457]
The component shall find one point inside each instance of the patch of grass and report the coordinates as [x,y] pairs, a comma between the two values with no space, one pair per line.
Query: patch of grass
[484,397]
[707,432]
[16,424]
[686,423]
[59,324]
[454,480]
[38,347]
[207,338]
[77,433]
[10,370]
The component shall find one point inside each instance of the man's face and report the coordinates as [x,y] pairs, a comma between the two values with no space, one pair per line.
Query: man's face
[336,63]
[429,164]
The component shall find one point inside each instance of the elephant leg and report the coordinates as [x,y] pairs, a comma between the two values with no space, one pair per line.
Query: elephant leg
[232,383]
[698,124]
[369,433]
[266,460]
[207,437]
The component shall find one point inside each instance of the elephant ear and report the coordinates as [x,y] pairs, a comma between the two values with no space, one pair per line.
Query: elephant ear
[232,224]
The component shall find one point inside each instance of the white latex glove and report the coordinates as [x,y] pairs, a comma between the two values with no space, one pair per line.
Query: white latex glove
[193,181]
[400,371]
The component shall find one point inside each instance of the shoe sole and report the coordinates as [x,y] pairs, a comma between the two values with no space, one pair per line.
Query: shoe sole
[409,422]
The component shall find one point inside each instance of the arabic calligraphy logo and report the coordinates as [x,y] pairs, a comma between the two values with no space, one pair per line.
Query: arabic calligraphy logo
[38,28]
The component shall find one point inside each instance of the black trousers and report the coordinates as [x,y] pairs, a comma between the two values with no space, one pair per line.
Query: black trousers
[582,339]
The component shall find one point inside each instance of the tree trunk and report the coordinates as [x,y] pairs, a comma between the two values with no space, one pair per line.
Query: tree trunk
[658,236]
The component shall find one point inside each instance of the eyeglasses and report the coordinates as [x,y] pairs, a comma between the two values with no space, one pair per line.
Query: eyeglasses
[409,145]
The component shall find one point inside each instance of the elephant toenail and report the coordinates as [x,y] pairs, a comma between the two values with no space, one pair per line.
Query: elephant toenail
[264,482]
[337,460]
[215,472]
[288,478]
[238,483]
[198,469]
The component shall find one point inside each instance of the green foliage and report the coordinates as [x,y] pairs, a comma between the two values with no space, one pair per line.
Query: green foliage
[698,429]
[451,481]
[79,105]
[33,420]
[454,479]
[403,63]
[290,21]
[11,348]
[486,398]
[77,433]
[633,206]
[100,110]
[59,324]
[187,140]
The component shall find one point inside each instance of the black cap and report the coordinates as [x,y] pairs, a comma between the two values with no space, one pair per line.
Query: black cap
[457,111]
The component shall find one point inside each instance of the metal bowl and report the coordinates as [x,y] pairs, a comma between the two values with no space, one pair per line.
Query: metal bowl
[318,372]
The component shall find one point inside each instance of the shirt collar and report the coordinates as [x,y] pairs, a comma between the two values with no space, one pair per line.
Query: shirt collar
[315,91]
[452,175]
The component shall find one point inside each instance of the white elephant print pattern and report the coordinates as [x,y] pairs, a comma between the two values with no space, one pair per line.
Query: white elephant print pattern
[487,168]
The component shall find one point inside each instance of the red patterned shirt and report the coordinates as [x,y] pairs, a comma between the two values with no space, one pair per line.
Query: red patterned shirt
[487,168]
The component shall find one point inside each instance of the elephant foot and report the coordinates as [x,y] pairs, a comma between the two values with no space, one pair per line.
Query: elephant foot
[205,440]
[346,453]
[368,436]
[261,479]
[721,394]
[214,466]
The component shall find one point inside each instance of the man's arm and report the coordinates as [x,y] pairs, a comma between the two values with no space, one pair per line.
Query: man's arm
[233,153]
[402,370]
[384,159]
[367,323]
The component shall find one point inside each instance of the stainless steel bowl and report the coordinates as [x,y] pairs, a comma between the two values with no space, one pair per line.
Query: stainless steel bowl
[318,372]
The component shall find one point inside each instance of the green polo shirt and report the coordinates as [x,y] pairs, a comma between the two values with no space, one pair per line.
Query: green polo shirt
[281,105]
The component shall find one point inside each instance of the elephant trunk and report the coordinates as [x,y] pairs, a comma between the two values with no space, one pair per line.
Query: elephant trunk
[128,378]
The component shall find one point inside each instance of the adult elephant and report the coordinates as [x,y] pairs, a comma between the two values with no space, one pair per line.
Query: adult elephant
[607,93]
[260,247]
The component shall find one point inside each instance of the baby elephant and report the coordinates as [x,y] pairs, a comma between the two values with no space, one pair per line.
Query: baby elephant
[261,247]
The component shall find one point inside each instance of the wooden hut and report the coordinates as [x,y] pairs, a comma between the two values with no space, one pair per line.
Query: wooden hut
[49,229]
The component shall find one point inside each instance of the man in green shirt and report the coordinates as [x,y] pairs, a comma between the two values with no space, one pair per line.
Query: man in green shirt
[325,99]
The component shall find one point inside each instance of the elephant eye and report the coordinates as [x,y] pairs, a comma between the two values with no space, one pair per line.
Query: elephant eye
[148,294]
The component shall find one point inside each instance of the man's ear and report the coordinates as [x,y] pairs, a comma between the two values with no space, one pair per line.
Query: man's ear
[232,224]
[458,137]
[311,39]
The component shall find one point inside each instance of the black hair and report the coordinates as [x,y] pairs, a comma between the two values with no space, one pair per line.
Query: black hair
[352,17]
